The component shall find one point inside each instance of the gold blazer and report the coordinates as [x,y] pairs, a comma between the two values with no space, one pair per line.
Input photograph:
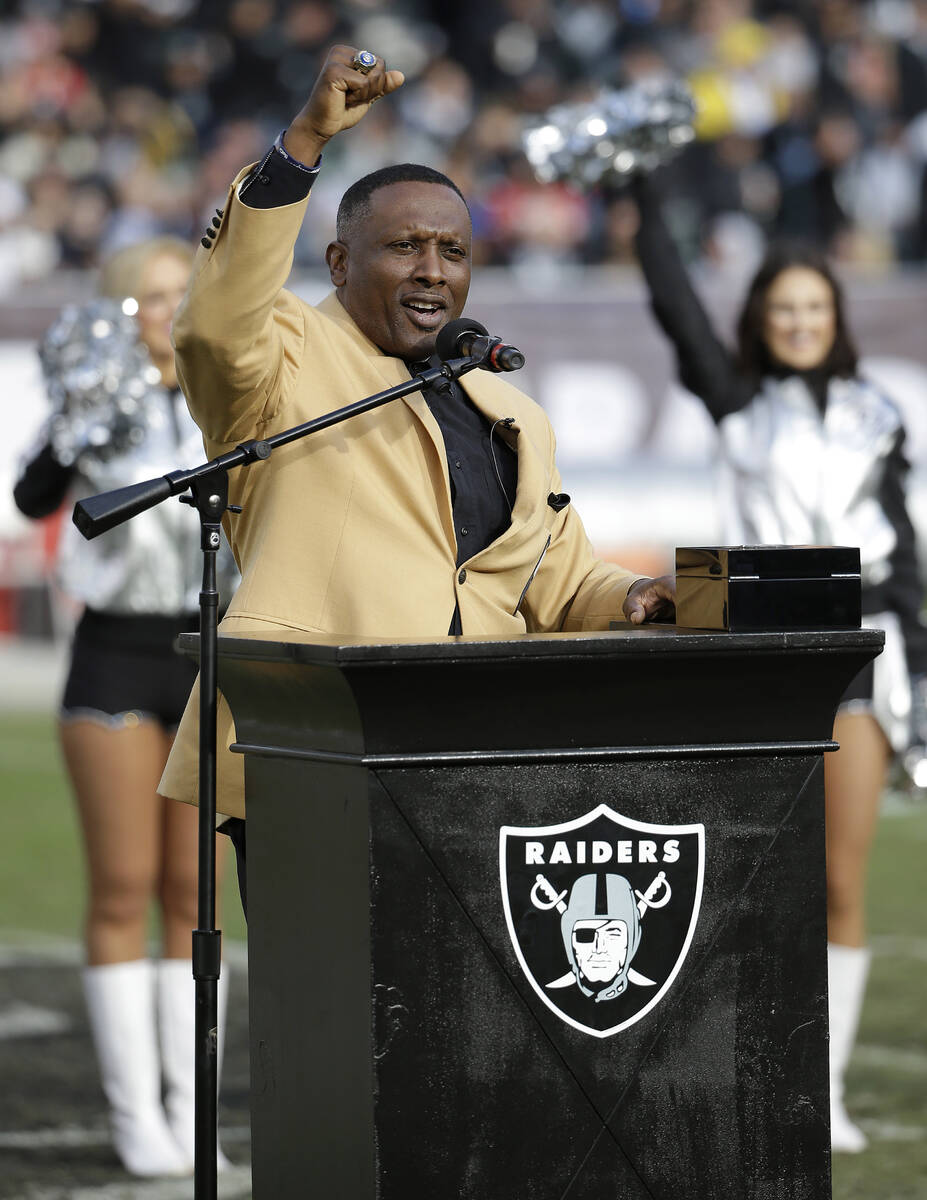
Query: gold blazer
[351,531]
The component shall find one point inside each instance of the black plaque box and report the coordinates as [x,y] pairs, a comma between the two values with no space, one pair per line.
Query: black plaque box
[749,589]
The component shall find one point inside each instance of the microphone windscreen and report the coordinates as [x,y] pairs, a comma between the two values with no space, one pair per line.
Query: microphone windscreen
[446,343]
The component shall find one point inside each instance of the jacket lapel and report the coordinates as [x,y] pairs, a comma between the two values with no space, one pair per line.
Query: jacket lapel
[492,401]
[393,371]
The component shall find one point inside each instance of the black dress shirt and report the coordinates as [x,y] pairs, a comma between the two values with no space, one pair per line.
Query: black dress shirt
[482,468]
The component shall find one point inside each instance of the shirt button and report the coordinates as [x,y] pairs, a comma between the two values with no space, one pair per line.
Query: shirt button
[464,530]
[457,464]
[462,577]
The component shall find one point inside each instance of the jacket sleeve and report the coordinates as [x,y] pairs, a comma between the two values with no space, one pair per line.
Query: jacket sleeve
[238,334]
[42,484]
[572,589]
[904,589]
[705,366]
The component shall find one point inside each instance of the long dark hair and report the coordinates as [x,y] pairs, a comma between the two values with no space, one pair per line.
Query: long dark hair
[753,354]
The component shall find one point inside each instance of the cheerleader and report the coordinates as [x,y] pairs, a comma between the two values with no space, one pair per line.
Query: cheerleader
[813,452]
[118,417]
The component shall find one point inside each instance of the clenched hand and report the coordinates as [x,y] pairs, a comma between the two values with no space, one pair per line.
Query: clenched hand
[342,95]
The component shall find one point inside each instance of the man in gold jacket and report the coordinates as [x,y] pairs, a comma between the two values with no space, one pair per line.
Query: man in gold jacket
[363,529]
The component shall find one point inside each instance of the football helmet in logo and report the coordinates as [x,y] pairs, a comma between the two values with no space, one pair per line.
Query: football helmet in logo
[601,929]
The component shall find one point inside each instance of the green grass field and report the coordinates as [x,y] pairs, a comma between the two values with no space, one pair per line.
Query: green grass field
[42,876]
[41,887]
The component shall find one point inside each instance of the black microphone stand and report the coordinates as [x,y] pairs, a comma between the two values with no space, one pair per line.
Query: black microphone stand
[208,485]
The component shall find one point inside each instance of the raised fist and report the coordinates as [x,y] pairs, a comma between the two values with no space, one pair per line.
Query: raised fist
[341,96]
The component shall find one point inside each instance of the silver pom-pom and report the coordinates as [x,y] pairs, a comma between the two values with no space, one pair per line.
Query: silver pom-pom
[614,136]
[98,376]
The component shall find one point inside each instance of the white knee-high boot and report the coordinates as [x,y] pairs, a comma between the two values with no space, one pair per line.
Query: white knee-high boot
[847,968]
[120,1004]
[177,1019]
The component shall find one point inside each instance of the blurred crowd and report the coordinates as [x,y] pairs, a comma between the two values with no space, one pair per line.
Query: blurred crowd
[120,119]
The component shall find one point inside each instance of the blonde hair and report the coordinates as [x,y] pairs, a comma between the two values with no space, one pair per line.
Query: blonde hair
[121,273]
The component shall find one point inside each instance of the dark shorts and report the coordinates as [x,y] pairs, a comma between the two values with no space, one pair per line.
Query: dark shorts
[237,829]
[859,691]
[124,669]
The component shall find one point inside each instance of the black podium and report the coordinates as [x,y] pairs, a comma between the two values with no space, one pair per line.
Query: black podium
[539,919]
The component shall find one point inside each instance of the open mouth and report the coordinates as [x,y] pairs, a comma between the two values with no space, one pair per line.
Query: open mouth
[425,313]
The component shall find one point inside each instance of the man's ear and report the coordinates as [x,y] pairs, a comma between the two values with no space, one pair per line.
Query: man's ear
[337,258]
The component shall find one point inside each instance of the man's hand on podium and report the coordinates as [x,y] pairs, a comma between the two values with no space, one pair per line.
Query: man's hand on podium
[651,600]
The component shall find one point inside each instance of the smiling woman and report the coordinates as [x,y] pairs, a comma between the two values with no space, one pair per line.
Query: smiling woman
[799,327]
[813,454]
[793,318]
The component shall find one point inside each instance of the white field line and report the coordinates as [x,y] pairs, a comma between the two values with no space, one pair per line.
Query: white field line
[18,1020]
[889,1058]
[234,1184]
[891,1131]
[22,948]
[23,757]
[897,803]
[76,1135]
[899,945]
[53,1139]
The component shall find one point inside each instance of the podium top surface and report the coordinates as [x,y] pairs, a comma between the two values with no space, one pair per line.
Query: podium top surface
[302,693]
[633,641]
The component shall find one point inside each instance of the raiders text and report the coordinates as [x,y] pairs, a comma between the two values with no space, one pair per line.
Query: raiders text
[581,852]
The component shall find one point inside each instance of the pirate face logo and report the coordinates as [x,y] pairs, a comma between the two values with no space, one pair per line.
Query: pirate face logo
[602,875]
[599,950]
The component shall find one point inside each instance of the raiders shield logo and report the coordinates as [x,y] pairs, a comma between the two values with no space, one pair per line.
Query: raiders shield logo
[601,912]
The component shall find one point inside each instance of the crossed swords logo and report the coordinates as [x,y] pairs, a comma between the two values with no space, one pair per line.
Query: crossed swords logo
[660,887]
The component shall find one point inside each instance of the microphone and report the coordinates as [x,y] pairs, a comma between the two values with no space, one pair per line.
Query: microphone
[466,338]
